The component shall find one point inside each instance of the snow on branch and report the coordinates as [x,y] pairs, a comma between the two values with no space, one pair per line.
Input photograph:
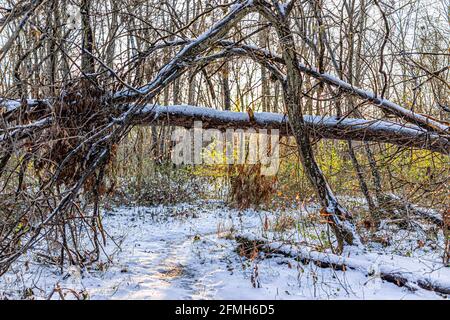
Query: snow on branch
[384,104]
[266,58]
[321,127]
[397,275]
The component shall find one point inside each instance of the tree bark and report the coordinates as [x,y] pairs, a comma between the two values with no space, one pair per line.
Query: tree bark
[401,278]
[87,60]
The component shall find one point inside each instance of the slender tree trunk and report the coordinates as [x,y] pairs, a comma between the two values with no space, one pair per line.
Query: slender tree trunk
[111,47]
[54,18]
[360,174]
[355,78]
[87,46]
[263,39]
[226,87]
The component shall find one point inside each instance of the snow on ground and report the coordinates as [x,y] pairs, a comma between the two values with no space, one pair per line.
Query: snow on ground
[187,252]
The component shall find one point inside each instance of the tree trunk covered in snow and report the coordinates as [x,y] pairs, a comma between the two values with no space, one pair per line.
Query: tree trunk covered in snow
[318,127]
[393,274]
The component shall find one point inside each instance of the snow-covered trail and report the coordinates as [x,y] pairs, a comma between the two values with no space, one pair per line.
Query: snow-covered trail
[177,258]
[185,252]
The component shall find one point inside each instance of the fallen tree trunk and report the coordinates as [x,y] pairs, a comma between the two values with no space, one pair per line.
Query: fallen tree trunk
[396,275]
[321,127]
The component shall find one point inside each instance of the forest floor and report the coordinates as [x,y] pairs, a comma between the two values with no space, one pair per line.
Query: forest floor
[188,251]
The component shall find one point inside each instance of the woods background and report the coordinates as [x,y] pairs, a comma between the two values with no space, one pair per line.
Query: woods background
[80,81]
